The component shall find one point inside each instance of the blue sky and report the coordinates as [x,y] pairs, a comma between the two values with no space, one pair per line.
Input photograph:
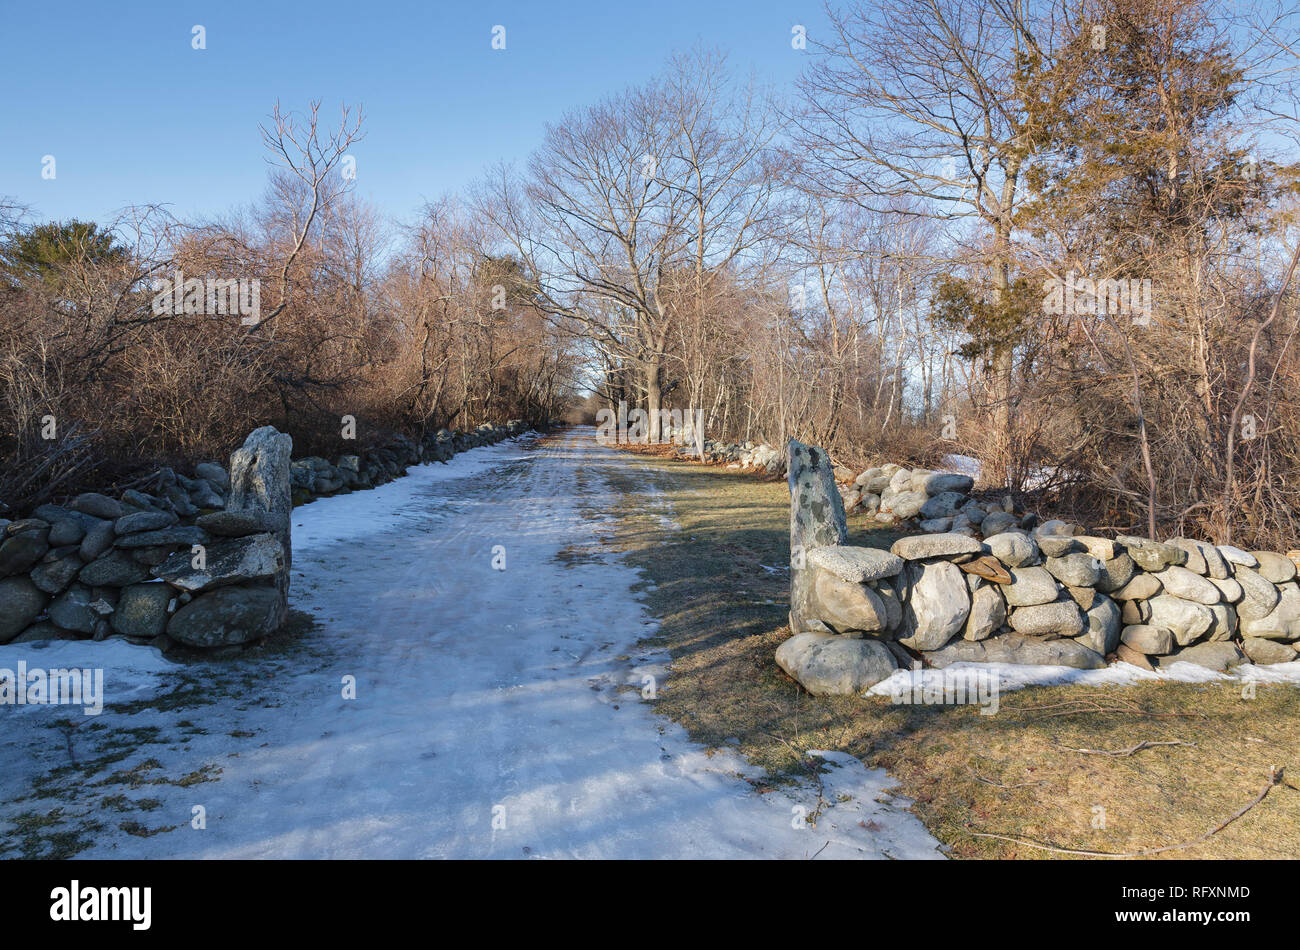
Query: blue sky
[133,114]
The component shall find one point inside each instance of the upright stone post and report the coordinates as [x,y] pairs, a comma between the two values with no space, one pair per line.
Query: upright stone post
[259,483]
[816,520]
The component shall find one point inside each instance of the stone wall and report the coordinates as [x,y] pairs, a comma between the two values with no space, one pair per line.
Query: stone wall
[739,455]
[987,582]
[201,560]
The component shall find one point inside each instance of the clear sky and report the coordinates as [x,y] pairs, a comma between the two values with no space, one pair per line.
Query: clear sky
[133,114]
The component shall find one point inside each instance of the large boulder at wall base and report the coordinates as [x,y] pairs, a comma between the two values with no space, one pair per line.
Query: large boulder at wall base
[228,616]
[816,520]
[829,665]
[1015,648]
[1219,657]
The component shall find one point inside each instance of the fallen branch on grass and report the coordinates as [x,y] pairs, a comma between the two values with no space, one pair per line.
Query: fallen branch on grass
[1125,753]
[1083,706]
[1274,778]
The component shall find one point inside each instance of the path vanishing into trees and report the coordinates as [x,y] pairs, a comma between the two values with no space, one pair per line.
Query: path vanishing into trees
[497,713]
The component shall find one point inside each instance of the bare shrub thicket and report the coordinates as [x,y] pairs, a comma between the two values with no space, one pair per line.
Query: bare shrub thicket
[96,384]
[863,263]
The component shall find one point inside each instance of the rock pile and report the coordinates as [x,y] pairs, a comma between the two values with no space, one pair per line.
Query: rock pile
[739,455]
[1023,593]
[313,476]
[889,494]
[201,560]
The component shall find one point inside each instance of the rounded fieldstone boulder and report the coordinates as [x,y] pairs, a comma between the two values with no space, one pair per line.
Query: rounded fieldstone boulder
[829,665]
[1142,587]
[1115,573]
[1280,623]
[1152,555]
[1189,621]
[1187,584]
[115,569]
[1103,549]
[1229,589]
[1060,619]
[996,522]
[143,521]
[904,505]
[97,505]
[1236,556]
[21,602]
[1104,623]
[98,539]
[20,551]
[1013,548]
[1258,596]
[1275,568]
[988,612]
[53,576]
[214,474]
[846,606]
[936,604]
[66,531]
[1029,587]
[1267,652]
[936,483]
[227,616]
[1153,641]
[1074,570]
[1224,626]
[142,610]
[78,609]
[943,505]
[1058,546]
[1202,558]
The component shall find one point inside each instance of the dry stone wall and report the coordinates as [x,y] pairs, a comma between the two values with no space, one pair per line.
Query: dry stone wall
[989,583]
[201,560]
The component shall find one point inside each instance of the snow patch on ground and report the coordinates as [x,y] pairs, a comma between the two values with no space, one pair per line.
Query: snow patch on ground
[130,672]
[1013,676]
[355,515]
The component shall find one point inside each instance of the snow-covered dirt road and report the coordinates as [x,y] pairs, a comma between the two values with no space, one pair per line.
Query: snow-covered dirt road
[497,713]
